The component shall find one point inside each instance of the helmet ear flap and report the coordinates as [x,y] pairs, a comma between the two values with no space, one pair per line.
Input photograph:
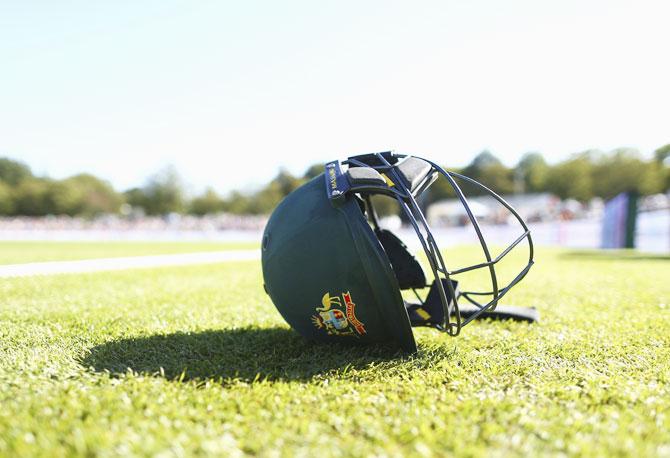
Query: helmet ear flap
[406,267]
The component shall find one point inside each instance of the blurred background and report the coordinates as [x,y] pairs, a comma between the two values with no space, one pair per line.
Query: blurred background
[181,120]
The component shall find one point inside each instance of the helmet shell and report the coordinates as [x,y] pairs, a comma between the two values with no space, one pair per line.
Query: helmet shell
[327,274]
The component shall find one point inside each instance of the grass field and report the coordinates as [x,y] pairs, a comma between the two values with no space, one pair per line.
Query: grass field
[27,251]
[195,360]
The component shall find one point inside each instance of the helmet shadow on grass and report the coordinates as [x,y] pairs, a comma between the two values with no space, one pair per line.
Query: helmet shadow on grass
[236,354]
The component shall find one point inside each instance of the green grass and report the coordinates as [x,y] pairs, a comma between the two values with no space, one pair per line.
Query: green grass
[195,360]
[16,252]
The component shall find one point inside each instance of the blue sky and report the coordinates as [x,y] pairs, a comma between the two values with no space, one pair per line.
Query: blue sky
[230,91]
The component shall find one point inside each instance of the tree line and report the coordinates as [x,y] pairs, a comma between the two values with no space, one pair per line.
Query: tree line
[582,177]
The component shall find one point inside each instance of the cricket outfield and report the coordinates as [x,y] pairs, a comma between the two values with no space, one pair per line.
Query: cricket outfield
[195,359]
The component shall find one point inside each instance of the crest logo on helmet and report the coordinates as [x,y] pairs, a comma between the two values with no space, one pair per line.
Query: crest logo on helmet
[337,316]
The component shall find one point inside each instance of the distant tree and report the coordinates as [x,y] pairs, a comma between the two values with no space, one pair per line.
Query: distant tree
[286,182]
[265,200]
[32,197]
[64,198]
[534,171]
[82,194]
[480,162]
[572,178]
[582,176]
[13,172]
[96,196]
[6,199]
[237,203]
[164,193]
[624,170]
[135,197]
[498,178]
[662,153]
[314,171]
[662,156]
[488,170]
[441,189]
[385,205]
[208,202]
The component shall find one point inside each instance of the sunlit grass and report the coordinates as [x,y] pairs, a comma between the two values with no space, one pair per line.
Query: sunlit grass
[16,252]
[195,360]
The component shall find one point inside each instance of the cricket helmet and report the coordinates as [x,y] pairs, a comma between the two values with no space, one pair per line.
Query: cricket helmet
[336,276]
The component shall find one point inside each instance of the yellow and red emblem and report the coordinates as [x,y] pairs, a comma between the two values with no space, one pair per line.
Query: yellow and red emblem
[337,316]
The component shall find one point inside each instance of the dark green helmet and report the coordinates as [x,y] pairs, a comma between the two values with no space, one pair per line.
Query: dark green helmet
[335,275]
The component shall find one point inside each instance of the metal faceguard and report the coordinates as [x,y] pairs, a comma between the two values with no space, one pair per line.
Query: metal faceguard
[404,178]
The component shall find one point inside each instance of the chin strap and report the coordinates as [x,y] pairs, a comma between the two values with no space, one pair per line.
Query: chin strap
[431,313]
